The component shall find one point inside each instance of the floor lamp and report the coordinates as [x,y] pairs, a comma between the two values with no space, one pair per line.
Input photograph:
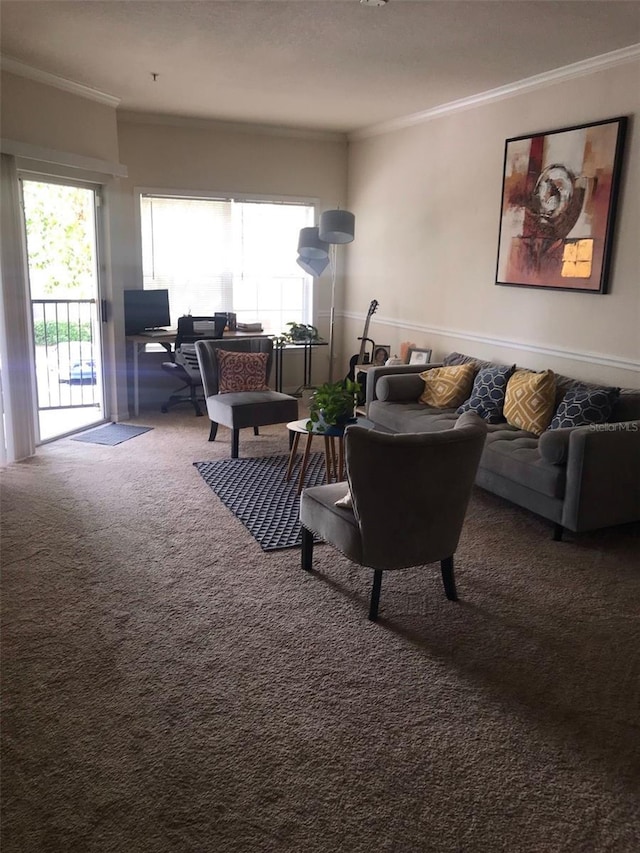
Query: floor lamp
[317,248]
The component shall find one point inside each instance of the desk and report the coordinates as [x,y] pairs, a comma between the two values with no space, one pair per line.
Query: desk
[167,341]
[307,347]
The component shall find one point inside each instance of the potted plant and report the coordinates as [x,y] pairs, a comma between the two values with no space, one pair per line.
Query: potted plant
[299,333]
[333,405]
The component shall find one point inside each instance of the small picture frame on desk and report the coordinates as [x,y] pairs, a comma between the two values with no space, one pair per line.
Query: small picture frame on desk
[381,353]
[419,356]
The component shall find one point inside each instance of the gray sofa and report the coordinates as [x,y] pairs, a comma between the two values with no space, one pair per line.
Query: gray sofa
[580,478]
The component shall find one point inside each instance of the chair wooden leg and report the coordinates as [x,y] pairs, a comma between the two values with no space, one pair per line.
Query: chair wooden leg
[307,549]
[235,442]
[256,431]
[448,578]
[558,530]
[375,595]
[213,431]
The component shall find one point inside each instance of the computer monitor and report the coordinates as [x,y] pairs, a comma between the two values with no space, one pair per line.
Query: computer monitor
[145,309]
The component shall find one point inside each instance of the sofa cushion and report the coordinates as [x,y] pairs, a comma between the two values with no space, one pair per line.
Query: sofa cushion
[411,417]
[530,400]
[447,387]
[582,405]
[241,371]
[460,358]
[514,455]
[487,394]
[627,406]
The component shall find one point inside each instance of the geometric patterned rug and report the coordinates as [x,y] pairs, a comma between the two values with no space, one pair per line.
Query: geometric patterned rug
[111,434]
[256,493]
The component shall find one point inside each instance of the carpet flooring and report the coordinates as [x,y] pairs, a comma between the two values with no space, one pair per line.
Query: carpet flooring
[111,434]
[256,492]
[168,687]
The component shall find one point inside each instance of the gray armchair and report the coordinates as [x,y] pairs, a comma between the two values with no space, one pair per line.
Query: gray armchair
[239,409]
[410,494]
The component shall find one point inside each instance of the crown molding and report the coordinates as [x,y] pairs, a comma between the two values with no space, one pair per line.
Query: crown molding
[14,66]
[38,154]
[166,120]
[600,359]
[528,84]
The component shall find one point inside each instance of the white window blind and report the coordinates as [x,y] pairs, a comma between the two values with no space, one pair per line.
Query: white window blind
[226,255]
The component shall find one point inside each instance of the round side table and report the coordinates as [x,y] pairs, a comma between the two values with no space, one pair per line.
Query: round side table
[333,457]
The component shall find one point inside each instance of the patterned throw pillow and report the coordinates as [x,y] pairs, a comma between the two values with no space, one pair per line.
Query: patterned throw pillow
[487,394]
[530,400]
[447,387]
[241,371]
[581,406]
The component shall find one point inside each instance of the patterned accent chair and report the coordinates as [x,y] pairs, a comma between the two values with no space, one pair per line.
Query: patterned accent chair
[434,474]
[238,409]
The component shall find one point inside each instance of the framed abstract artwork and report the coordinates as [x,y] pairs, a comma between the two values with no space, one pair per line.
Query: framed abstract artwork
[559,196]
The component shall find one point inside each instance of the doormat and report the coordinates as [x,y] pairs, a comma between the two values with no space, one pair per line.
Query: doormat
[111,434]
[256,493]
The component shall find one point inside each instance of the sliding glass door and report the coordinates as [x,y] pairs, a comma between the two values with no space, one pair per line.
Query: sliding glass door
[60,221]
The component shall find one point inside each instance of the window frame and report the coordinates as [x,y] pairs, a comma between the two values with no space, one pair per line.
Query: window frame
[139,192]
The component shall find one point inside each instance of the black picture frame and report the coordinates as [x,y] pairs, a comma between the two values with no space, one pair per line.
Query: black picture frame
[416,355]
[380,354]
[558,207]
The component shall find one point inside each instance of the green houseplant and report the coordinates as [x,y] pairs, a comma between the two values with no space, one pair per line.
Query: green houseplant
[299,333]
[332,405]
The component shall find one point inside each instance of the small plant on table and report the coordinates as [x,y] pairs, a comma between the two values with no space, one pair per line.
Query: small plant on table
[333,405]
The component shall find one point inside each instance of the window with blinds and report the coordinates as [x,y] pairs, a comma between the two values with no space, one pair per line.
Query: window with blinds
[227,255]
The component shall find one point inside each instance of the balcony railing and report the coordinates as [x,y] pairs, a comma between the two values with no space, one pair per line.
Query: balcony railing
[67,352]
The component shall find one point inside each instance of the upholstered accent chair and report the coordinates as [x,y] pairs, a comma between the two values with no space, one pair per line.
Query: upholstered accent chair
[236,388]
[409,496]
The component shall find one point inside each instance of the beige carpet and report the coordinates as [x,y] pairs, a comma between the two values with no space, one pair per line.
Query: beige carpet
[167,686]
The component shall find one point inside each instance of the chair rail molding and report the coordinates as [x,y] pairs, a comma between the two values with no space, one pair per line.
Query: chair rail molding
[602,359]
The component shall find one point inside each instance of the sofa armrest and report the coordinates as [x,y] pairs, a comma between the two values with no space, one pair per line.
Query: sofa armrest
[377,373]
[603,476]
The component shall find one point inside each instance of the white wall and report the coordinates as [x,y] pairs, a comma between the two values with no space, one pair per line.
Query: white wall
[48,117]
[209,156]
[196,156]
[427,202]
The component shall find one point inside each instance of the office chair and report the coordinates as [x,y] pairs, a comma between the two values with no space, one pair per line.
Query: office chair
[409,495]
[184,361]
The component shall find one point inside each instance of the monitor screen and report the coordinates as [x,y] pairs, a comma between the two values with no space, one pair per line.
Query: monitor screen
[145,309]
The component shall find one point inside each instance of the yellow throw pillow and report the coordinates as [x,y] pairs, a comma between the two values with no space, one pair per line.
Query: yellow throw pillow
[447,387]
[530,400]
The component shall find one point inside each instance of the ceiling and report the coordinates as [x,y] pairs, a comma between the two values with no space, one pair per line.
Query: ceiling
[334,65]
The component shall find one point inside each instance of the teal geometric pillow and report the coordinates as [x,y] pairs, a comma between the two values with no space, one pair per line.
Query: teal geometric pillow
[581,406]
[487,394]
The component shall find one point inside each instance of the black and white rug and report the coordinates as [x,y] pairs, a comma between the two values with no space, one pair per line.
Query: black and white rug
[256,493]
[111,434]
